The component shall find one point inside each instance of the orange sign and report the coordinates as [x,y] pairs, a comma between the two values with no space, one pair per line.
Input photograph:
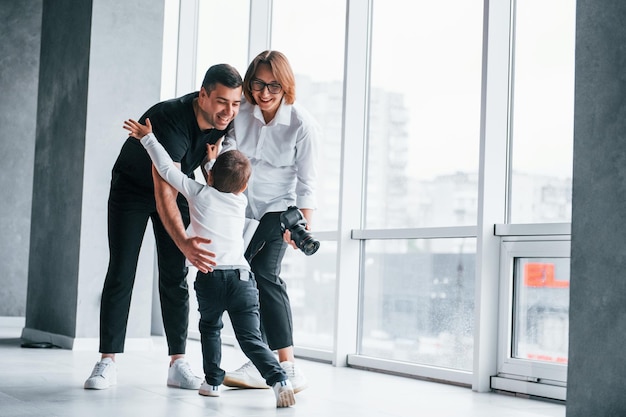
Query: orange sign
[542,275]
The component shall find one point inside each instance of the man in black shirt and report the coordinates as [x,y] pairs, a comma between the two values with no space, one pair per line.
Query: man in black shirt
[184,126]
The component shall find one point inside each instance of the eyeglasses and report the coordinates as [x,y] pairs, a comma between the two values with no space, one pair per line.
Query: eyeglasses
[273,88]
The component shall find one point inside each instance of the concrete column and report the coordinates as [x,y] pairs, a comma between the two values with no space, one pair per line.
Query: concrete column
[100,64]
[597,364]
[20,31]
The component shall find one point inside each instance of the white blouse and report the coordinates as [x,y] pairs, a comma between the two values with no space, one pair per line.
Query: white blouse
[283,156]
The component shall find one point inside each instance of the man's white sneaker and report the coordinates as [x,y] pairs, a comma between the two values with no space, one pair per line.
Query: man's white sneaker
[295,375]
[245,377]
[180,376]
[209,390]
[103,376]
[284,394]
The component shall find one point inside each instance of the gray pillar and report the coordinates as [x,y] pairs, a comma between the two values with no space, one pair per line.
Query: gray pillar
[100,64]
[597,359]
[20,29]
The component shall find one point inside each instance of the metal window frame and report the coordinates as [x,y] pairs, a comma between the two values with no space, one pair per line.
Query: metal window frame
[491,229]
[520,375]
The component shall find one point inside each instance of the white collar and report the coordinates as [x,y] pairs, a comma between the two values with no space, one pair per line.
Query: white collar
[283,114]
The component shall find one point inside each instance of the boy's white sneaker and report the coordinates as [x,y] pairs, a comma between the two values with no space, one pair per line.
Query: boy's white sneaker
[180,376]
[103,376]
[209,390]
[284,394]
[245,377]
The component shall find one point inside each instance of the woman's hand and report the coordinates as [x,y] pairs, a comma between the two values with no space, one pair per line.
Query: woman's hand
[213,150]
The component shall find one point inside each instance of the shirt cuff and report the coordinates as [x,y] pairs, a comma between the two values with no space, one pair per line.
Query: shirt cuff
[209,165]
[146,138]
[306,201]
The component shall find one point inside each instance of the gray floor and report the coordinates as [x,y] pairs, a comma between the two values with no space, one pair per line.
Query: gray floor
[48,382]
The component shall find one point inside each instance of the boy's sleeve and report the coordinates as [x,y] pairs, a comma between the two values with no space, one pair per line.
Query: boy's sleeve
[166,168]
[169,135]
[209,165]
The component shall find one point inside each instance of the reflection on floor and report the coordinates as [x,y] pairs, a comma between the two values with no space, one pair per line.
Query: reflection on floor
[48,382]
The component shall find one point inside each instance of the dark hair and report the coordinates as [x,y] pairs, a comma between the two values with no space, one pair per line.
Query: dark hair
[281,69]
[231,172]
[223,74]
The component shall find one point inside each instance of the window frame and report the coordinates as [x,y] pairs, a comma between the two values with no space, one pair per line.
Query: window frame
[525,375]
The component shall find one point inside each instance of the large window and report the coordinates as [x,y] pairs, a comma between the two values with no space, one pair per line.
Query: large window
[424,114]
[422,171]
[399,85]
[311,35]
[419,303]
[542,111]
[222,35]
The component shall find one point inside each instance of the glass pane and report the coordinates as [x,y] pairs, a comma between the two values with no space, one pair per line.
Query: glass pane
[424,113]
[222,40]
[315,51]
[311,282]
[543,111]
[418,301]
[170,50]
[541,309]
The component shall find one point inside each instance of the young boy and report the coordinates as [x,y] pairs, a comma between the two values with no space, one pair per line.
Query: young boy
[217,212]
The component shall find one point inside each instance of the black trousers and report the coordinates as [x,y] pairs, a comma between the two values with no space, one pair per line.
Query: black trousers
[265,255]
[128,214]
[235,291]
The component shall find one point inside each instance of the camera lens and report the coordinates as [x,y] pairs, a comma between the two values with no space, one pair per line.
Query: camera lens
[310,247]
[293,220]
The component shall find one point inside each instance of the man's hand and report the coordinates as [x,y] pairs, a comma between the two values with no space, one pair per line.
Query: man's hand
[199,257]
[136,129]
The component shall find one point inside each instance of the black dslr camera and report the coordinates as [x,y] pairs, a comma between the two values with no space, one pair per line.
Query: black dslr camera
[293,220]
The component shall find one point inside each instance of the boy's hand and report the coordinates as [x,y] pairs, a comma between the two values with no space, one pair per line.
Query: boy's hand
[136,129]
[213,150]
